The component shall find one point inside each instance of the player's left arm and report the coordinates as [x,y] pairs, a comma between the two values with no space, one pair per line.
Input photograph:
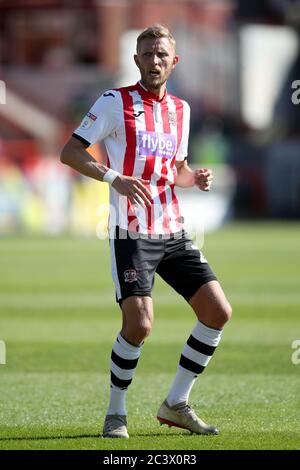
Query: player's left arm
[186,177]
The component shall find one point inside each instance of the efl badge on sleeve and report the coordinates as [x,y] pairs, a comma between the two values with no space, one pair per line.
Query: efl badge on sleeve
[88,120]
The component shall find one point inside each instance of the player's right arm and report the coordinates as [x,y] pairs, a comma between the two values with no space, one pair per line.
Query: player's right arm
[99,123]
[75,155]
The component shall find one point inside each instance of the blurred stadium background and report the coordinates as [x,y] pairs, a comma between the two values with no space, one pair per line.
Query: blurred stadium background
[239,64]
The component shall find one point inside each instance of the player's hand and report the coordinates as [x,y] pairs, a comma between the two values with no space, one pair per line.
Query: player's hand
[203,178]
[134,189]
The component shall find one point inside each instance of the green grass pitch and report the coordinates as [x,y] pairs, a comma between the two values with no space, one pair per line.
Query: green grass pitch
[58,319]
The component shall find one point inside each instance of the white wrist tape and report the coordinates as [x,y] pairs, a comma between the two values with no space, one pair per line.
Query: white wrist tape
[110,176]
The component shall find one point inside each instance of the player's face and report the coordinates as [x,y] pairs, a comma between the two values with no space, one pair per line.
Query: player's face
[156,59]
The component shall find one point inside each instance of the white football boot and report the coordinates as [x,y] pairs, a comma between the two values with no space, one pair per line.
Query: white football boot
[115,426]
[183,416]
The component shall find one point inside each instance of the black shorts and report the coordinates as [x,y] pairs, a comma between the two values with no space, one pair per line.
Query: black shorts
[136,258]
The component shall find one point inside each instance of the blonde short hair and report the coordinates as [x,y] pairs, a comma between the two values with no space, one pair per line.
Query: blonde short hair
[155,31]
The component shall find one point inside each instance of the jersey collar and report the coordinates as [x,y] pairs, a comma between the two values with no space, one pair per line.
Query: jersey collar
[149,94]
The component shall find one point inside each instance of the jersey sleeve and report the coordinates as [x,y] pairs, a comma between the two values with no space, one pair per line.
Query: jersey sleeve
[100,121]
[182,151]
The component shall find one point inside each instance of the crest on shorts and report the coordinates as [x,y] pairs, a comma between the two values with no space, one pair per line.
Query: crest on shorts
[130,275]
[172,117]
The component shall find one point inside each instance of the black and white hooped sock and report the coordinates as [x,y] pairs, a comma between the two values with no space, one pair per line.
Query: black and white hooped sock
[124,359]
[195,356]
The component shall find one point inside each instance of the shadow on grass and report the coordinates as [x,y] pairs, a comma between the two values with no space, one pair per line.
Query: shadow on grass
[83,436]
[40,438]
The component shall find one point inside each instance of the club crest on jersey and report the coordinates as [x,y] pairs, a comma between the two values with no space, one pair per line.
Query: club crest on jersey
[172,117]
[88,120]
[157,144]
[130,275]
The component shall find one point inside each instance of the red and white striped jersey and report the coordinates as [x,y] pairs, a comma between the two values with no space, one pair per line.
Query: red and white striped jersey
[143,136]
